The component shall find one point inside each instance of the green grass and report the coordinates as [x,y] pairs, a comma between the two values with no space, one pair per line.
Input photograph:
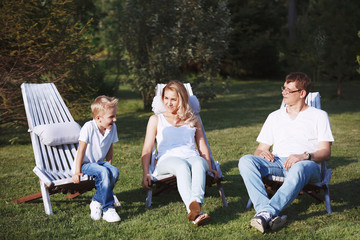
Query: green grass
[233,121]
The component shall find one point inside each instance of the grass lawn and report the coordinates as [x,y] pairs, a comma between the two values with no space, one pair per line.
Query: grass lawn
[232,122]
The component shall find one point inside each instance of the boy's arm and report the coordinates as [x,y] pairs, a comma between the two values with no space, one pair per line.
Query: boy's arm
[79,158]
[110,153]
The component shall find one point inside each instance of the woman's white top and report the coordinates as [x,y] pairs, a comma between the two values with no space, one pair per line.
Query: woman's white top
[174,141]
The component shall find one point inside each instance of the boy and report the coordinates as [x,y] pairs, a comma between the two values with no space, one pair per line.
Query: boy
[95,146]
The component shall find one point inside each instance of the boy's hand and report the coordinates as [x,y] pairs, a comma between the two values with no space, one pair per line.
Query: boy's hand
[76,177]
[146,181]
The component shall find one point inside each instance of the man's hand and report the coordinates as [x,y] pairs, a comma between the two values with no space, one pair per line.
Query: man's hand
[76,177]
[146,181]
[292,159]
[267,155]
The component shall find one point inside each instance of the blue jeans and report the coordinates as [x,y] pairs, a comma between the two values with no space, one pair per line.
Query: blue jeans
[105,176]
[254,168]
[190,176]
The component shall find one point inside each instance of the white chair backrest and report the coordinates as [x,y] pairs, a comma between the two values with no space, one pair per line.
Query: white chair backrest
[312,99]
[158,106]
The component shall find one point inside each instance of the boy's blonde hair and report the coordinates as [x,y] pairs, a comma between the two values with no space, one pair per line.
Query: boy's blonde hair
[102,103]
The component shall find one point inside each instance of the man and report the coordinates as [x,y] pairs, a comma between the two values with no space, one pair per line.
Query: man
[300,137]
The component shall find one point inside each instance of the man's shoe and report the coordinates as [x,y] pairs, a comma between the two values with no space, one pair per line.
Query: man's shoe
[111,215]
[277,222]
[260,221]
[96,210]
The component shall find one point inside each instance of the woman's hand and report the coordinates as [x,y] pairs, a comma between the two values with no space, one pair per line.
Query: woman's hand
[146,181]
[216,175]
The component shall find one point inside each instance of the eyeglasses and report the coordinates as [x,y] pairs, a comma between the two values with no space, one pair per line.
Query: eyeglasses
[288,91]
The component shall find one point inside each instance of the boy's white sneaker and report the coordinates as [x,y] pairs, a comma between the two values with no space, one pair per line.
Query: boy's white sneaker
[111,215]
[96,210]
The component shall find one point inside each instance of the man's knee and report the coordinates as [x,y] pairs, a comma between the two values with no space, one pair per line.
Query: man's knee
[245,162]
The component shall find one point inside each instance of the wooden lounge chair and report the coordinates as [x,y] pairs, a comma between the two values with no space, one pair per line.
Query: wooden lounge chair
[166,182]
[273,183]
[44,107]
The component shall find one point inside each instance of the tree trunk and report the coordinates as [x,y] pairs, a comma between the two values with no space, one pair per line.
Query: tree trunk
[146,97]
[339,87]
[292,19]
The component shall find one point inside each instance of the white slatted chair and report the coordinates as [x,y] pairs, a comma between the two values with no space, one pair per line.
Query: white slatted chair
[272,182]
[43,106]
[168,181]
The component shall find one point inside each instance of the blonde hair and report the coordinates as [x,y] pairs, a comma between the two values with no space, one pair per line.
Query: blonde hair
[184,112]
[102,103]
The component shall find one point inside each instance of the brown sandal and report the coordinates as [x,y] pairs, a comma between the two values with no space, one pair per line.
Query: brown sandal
[195,210]
[201,219]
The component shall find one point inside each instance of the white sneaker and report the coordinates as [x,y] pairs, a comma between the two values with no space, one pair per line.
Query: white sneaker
[117,203]
[111,215]
[96,210]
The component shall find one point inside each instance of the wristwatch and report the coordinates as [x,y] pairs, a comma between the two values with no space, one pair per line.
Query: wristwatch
[309,155]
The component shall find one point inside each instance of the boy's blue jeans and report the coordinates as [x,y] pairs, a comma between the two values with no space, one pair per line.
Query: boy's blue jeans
[253,168]
[190,176]
[105,176]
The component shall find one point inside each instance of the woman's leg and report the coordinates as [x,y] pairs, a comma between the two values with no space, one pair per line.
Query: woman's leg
[199,167]
[182,170]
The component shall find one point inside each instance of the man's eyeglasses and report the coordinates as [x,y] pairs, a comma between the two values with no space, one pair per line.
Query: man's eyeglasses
[286,90]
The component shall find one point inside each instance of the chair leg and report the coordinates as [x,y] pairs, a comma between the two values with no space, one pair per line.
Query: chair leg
[148,198]
[46,199]
[249,204]
[222,194]
[327,200]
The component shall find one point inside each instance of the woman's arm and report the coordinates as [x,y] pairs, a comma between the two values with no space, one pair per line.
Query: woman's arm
[150,136]
[203,148]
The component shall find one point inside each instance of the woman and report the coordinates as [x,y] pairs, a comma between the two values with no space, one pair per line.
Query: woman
[176,131]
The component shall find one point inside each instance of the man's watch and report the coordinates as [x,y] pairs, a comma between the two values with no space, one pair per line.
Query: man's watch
[309,156]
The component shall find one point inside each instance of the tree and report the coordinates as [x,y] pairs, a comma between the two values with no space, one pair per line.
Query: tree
[255,38]
[165,39]
[40,41]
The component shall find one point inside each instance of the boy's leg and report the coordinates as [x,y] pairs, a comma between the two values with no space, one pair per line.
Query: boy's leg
[101,175]
[114,176]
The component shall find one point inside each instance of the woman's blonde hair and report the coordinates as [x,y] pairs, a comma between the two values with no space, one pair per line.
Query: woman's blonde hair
[102,103]
[184,112]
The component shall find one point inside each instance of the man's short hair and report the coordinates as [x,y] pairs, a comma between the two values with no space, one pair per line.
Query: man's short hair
[302,81]
[102,103]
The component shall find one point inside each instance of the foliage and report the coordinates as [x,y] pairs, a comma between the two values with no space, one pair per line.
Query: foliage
[255,38]
[325,42]
[41,41]
[109,31]
[164,40]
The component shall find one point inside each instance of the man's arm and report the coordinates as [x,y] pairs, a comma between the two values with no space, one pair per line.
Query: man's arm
[322,154]
[263,151]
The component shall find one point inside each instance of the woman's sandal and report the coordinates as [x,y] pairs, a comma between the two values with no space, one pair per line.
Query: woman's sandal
[201,219]
[195,210]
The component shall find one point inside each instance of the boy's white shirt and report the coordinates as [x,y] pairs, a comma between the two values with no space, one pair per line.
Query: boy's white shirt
[98,145]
